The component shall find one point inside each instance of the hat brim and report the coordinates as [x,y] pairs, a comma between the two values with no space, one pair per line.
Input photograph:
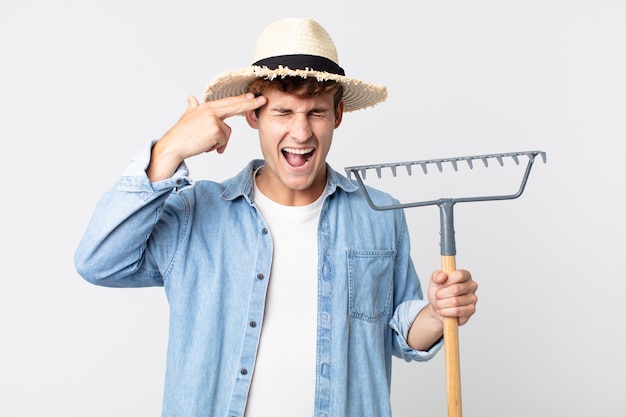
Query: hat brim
[357,94]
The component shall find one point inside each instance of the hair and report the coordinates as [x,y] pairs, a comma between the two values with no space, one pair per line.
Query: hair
[299,87]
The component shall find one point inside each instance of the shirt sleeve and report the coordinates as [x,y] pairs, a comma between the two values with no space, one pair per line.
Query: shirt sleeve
[139,164]
[114,249]
[401,323]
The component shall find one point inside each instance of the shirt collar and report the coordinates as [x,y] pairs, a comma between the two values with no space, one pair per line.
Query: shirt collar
[242,185]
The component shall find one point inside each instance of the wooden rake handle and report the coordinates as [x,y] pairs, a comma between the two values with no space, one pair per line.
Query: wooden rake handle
[451,351]
[450,324]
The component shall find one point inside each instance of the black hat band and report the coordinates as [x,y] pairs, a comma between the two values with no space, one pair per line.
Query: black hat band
[301,62]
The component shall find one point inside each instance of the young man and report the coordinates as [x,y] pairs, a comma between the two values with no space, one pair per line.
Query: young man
[288,295]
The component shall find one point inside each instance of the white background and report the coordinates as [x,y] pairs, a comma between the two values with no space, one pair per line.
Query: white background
[85,83]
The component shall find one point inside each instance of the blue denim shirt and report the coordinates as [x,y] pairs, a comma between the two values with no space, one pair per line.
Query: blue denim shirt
[208,246]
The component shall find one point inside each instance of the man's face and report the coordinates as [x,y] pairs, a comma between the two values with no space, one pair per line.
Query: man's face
[295,135]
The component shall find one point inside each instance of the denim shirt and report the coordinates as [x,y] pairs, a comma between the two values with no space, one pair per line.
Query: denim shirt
[208,246]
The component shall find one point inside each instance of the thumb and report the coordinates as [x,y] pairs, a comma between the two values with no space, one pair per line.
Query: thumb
[192,103]
[439,277]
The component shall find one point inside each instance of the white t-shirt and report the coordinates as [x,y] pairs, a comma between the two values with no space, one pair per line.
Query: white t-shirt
[283,382]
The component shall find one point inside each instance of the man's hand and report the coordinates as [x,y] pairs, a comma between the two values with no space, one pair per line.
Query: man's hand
[453,294]
[200,129]
[449,295]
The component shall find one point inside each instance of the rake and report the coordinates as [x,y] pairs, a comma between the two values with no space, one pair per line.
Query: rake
[448,244]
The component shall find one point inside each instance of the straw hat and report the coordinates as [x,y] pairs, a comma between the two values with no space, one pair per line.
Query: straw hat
[296,47]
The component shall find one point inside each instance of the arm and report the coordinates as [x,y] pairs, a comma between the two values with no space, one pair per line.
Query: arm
[452,295]
[112,251]
[117,247]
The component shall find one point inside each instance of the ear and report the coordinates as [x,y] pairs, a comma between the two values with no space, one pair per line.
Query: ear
[252,119]
[339,114]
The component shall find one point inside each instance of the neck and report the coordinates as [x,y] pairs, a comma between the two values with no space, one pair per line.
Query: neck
[278,192]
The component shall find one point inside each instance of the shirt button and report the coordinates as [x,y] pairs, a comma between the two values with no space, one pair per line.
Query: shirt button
[244,371]
[260,276]
[253,324]
[264,231]
[325,369]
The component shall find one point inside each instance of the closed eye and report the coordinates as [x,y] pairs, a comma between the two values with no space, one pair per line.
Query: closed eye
[316,113]
[282,112]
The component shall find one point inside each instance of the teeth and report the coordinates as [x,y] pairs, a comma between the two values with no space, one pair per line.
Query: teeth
[298,151]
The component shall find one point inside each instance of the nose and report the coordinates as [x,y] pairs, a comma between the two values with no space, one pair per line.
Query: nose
[300,127]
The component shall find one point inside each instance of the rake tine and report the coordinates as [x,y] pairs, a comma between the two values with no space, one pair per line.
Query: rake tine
[424,168]
[499,158]
[378,173]
[516,159]
[454,165]
[363,173]
[408,169]
[393,170]
[470,163]
[485,161]
[439,167]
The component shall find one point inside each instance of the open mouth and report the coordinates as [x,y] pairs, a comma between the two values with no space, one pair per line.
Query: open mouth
[297,157]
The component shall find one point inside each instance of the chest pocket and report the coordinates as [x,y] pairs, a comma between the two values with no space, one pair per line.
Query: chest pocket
[371,277]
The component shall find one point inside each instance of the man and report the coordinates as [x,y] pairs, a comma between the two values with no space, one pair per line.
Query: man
[288,295]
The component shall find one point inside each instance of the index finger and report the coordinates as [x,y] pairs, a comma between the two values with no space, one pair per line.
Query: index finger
[232,106]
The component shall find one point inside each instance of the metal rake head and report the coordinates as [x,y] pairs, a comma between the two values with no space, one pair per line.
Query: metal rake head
[448,244]
[360,173]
